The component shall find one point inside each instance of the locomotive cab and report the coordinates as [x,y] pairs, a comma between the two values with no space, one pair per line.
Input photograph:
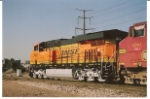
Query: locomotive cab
[36,53]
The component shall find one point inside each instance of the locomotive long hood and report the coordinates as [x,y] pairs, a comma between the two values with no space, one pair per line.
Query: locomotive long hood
[108,34]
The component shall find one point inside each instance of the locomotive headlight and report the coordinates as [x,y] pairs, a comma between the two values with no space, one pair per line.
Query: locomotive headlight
[140,64]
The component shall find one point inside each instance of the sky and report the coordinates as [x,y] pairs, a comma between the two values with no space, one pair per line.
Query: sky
[27,22]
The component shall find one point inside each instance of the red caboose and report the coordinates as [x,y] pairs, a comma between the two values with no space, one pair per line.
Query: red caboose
[133,52]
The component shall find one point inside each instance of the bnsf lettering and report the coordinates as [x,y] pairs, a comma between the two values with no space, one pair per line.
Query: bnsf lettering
[68,52]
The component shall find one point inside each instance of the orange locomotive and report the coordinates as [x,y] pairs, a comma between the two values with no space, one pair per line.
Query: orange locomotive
[93,51]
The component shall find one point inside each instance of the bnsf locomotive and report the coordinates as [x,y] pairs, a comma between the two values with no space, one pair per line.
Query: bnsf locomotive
[105,56]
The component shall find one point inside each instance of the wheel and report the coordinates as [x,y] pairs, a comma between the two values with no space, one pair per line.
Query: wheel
[40,76]
[136,82]
[122,79]
[111,78]
[95,79]
[74,73]
[31,74]
[81,78]
[45,77]
[36,76]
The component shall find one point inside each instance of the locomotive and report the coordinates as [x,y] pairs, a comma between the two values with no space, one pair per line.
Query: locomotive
[133,55]
[104,56]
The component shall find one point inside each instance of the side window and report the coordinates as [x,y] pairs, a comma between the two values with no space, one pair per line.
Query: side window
[139,32]
[136,33]
[36,48]
[41,47]
[131,33]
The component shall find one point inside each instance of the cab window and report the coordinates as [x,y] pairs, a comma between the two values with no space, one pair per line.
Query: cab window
[36,48]
[131,33]
[139,32]
[41,47]
[136,33]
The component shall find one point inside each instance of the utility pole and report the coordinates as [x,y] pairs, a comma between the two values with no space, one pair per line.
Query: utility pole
[84,17]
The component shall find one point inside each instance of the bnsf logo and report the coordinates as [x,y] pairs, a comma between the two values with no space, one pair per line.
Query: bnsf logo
[69,52]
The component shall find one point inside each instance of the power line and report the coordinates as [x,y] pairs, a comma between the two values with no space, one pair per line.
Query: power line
[121,16]
[135,4]
[121,22]
[111,7]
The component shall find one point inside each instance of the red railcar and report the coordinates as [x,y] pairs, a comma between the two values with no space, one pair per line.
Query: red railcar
[133,53]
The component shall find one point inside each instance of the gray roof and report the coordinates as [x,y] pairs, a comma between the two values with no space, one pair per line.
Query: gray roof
[107,34]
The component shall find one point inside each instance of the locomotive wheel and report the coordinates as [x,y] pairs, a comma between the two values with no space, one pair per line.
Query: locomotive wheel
[44,76]
[136,82]
[95,79]
[74,75]
[40,76]
[31,74]
[111,77]
[36,76]
[122,79]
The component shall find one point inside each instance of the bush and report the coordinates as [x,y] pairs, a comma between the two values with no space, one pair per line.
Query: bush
[13,64]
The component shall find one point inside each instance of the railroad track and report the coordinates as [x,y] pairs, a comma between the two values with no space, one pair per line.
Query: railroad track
[72,80]
[77,88]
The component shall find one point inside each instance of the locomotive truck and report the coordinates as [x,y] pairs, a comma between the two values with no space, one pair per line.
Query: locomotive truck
[104,56]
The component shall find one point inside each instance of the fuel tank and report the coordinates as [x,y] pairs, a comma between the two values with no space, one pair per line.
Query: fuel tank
[59,73]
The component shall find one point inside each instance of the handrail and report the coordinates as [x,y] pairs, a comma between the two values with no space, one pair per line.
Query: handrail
[110,59]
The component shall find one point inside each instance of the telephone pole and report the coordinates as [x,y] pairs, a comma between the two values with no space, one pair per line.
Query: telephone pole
[84,17]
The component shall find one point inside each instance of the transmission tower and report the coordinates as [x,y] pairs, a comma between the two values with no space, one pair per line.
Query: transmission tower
[84,17]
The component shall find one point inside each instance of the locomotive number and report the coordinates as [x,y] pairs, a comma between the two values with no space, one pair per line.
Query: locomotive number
[137,46]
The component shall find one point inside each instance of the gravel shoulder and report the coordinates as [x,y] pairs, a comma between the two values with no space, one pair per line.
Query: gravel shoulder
[30,87]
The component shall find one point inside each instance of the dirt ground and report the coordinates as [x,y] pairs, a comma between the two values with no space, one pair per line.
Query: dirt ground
[13,86]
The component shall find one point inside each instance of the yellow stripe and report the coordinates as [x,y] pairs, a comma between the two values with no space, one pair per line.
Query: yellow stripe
[122,51]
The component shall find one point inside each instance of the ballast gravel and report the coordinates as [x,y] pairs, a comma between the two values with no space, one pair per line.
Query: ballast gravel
[81,91]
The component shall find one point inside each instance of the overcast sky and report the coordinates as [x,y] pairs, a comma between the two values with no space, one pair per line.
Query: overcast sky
[27,22]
